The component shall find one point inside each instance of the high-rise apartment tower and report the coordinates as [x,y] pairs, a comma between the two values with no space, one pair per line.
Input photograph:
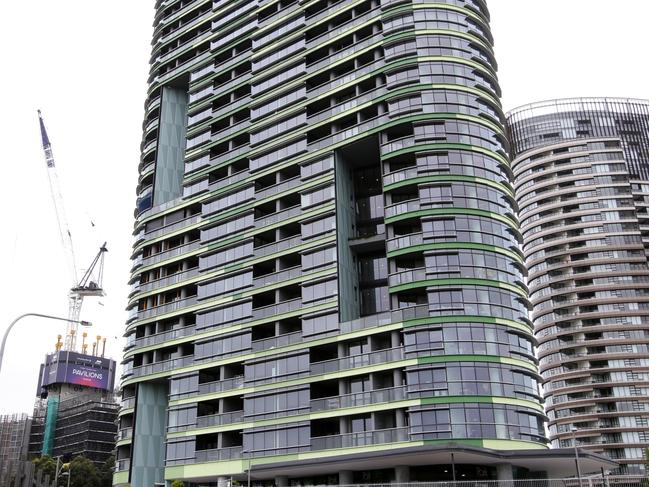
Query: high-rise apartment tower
[581,169]
[326,284]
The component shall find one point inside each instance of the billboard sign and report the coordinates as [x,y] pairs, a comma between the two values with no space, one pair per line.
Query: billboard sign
[86,376]
[78,369]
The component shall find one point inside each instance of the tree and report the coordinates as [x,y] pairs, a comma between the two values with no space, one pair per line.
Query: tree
[106,472]
[177,483]
[83,473]
[47,464]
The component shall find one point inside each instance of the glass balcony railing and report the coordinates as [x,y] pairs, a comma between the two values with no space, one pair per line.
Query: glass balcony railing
[354,361]
[391,435]
[359,399]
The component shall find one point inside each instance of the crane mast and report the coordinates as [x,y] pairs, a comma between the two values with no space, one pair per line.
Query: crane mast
[86,286]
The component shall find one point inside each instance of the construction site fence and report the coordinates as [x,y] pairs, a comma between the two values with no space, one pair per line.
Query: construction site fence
[586,481]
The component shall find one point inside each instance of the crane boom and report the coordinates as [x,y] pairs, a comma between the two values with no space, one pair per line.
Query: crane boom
[57,199]
[86,286]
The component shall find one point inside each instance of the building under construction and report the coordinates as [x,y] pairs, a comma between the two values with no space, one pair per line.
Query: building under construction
[85,424]
[14,438]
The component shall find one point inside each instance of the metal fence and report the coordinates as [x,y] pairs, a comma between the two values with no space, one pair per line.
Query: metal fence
[586,481]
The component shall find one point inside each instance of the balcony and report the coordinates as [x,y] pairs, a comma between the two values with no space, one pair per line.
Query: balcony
[128,402]
[221,385]
[164,366]
[359,399]
[219,419]
[169,280]
[404,241]
[123,464]
[278,216]
[173,227]
[363,438]
[354,361]
[168,254]
[276,341]
[124,433]
[278,246]
[275,277]
[218,454]
[166,308]
[276,309]
[165,336]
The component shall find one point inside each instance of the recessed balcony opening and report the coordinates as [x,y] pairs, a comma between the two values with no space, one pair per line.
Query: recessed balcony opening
[288,293]
[325,427]
[232,370]
[399,132]
[232,404]
[289,325]
[323,352]
[264,299]
[289,230]
[261,332]
[266,209]
[207,442]
[264,238]
[207,408]
[263,268]
[327,388]
[209,375]
[407,227]
[288,261]
[231,438]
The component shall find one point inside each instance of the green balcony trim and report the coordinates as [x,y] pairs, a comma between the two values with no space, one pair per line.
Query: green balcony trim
[243,235]
[466,281]
[478,358]
[261,321]
[234,297]
[305,344]
[365,409]
[240,466]
[242,208]
[120,477]
[450,178]
[386,67]
[427,116]
[265,387]
[456,245]
[446,146]
[333,413]
[181,204]
[385,40]
[453,211]
[440,320]
[482,400]
[297,108]
[444,6]
[125,442]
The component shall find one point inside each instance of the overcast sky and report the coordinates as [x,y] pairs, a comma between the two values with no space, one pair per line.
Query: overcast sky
[84,63]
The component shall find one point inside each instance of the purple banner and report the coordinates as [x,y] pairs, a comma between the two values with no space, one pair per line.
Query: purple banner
[86,376]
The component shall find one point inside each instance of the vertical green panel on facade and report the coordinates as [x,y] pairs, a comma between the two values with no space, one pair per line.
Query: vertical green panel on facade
[148,460]
[169,169]
[345,215]
[49,431]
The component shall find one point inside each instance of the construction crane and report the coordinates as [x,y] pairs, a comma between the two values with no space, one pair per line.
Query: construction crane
[90,284]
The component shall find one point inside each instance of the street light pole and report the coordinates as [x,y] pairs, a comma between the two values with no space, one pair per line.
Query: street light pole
[4,338]
[574,443]
[58,459]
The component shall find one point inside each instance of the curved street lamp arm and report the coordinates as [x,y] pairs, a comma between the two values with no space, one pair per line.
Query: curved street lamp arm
[11,325]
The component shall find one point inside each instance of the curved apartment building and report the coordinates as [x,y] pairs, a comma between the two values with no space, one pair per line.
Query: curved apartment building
[578,170]
[327,283]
